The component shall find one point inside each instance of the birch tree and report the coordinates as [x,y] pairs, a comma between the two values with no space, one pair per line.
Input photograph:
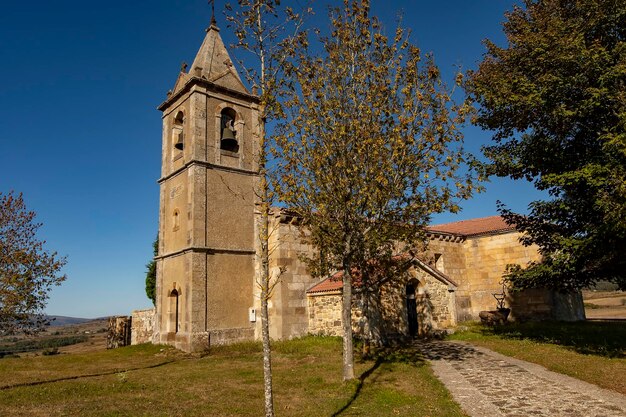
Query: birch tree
[370,147]
[271,33]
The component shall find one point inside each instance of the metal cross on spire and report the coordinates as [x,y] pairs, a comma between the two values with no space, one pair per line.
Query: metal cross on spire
[212,3]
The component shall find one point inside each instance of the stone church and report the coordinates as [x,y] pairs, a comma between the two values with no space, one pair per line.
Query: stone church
[207,266]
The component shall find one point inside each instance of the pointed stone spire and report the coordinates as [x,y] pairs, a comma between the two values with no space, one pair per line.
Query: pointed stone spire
[214,64]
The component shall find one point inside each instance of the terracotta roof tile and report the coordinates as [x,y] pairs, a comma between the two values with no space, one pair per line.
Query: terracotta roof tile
[332,283]
[335,281]
[474,227]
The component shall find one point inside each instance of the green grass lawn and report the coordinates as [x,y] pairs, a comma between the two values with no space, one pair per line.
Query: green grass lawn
[591,351]
[151,380]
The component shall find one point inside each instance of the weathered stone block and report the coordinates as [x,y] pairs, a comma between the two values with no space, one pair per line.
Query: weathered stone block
[494,317]
[119,333]
[142,326]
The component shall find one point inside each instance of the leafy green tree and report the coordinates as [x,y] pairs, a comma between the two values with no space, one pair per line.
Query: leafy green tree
[556,98]
[370,142]
[151,273]
[27,270]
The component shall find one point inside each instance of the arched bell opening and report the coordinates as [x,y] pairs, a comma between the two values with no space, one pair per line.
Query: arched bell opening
[228,140]
[177,131]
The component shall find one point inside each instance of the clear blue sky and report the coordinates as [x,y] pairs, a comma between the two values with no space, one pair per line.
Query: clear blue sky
[80,135]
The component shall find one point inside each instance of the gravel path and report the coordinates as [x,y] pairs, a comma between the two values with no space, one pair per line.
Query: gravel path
[487,384]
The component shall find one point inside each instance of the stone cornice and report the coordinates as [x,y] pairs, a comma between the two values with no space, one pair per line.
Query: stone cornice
[459,237]
[209,86]
[323,293]
[206,165]
[448,237]
[492,233]
[206,249]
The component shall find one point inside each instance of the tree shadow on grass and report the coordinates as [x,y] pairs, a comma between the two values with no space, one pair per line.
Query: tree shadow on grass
[607,339]
[405,354]
[92,375]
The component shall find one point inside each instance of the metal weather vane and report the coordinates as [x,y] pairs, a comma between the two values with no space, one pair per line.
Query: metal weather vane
[212,4]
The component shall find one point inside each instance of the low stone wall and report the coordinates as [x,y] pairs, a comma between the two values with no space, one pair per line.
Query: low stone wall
[119,332]
[142,328]
[543,304]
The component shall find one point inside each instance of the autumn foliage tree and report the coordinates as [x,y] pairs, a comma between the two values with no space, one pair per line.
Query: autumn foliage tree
[555,96]
[27,270]
[370,147]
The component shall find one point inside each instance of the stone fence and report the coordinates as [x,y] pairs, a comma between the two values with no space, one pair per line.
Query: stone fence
[119,332]
[143,326]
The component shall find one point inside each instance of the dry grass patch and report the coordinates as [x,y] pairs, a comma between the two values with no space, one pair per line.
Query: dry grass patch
[227,382]
[39,369]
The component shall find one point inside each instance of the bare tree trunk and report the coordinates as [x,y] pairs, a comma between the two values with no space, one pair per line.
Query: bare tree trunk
[265,277]
[346,323]
[265,325]
[365,312]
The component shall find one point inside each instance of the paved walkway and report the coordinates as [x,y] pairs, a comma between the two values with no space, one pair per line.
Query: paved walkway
[488,384]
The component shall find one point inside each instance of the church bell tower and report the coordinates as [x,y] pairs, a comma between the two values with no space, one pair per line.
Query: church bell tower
[206,261]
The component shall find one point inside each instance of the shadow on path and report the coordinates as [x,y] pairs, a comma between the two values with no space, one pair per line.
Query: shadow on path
[437,350]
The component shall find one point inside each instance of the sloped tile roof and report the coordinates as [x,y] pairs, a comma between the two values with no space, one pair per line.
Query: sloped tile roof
[465,228]
[330,284]
[474,227]
[335,281]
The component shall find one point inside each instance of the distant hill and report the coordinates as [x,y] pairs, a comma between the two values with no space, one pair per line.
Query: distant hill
[64,320]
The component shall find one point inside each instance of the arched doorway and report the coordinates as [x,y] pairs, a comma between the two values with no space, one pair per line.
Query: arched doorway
[411,306]
[174,306]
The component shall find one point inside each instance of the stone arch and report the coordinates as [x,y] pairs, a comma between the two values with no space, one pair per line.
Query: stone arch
[228,134]
[179,118]
[223,105]
[238,125]
[174,309]
[178,129]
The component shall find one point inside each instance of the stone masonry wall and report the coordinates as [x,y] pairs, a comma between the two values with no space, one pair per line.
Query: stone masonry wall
[543,304]
[142,327]
[475,264]
[486,260]
[288,305]
[435,304]
[325,314]
[119,332]
[390,316]
[442,303]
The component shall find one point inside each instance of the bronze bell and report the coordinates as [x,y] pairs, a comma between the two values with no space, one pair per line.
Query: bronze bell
[228,140]
[179,143]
